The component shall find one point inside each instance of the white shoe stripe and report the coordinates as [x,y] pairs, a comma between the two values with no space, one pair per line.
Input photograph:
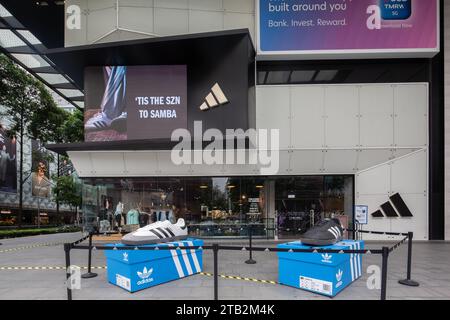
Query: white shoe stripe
[185,259]
[351,264]
[338,231]
[331,230]
[176,261]
[358,261]
[194,257]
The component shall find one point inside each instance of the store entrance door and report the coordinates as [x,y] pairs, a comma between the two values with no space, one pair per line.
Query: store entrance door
[303,201]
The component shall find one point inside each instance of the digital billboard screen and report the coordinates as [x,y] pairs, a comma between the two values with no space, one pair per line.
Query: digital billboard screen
[134,102]
[346,28]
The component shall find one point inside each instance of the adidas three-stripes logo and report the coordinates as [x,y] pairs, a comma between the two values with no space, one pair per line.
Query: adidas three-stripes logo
[214,99]
[162,233]
[336,232]
[100,124]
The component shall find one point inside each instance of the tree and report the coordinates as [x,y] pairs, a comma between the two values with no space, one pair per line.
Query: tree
[31,111]
[67,190]
[72,129]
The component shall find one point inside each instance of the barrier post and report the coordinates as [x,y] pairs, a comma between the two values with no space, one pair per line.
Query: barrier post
[216,271]
[250,234]
[89,274]
[408,281]
[69,285]
[385,256]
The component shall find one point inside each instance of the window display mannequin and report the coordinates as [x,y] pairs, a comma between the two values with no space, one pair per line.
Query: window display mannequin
[162,215]
[133,217]
[143,216]
[118,214]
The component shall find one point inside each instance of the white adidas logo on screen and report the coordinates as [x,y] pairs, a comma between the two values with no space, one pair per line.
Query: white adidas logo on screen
[214,99]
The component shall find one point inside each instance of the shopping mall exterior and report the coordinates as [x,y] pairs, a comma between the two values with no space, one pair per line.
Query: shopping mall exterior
[359,116]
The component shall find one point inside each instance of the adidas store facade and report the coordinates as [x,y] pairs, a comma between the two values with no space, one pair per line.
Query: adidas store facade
[358,128]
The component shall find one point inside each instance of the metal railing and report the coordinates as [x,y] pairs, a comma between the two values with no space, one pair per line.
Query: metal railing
[384,252]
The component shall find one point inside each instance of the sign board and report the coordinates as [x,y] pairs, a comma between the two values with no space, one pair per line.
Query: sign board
[361,214]
[345,29]
[135,102]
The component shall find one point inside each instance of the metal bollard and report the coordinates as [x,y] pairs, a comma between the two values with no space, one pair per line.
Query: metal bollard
[89,274]
[67,254]
[250,232]
[408,281]
[385,256]
[216,272]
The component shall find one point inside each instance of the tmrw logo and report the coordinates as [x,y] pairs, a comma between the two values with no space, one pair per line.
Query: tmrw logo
[145,276]
[326,258]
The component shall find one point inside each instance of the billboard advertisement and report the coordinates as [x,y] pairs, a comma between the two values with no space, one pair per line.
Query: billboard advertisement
[8,163]
[348,28]
[40,175]
[134,102]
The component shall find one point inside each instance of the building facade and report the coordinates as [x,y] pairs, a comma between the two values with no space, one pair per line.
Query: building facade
[361,131]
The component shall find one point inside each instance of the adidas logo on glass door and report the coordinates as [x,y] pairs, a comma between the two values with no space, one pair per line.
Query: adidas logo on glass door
[214,99]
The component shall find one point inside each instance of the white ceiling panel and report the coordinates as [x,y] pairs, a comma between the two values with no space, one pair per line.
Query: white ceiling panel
[82,163]
[141,163]
[306,162]
[340,161]
[108,163]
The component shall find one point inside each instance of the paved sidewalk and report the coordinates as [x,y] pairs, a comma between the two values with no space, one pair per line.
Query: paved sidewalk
[430,267]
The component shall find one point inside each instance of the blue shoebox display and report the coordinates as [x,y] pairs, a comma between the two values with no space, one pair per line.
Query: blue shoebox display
[323,273]
[135,270]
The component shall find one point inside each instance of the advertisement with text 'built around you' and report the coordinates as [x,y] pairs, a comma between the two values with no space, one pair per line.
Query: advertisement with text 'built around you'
[348,26]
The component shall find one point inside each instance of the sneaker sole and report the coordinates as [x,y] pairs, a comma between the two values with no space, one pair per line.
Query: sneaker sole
[143,240]
[318,242]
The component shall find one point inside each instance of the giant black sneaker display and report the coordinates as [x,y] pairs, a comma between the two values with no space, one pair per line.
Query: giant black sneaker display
[326,232]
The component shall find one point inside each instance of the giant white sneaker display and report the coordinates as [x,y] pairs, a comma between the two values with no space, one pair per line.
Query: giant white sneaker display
[157,232]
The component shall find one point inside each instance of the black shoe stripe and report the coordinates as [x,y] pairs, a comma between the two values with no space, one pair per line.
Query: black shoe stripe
[170,231]
[166,235]
[156,233]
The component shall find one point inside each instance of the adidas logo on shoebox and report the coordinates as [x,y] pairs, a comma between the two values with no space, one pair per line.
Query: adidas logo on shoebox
[144,276]
[214,99]
[326,258]
[339,278]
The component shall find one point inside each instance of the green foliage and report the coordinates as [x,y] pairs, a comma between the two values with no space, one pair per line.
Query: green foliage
[72,129]
[67,191]
[15,233]
[28,105]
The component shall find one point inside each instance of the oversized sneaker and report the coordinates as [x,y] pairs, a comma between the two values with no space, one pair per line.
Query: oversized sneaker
[161,231]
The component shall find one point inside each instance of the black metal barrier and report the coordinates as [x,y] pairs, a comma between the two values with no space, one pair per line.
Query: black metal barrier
[89,274]
[384,252]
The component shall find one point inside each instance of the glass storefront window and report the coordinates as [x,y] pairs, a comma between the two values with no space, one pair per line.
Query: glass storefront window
[303,201]
[217,206]
[211,206]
